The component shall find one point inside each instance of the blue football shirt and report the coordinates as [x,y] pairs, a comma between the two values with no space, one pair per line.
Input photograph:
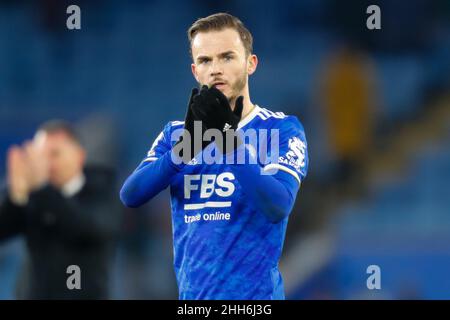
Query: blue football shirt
[224,248]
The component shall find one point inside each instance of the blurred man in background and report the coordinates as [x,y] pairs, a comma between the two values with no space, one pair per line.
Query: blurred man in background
[67,213]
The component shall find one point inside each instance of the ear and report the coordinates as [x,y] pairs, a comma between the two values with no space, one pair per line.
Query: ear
[252,63]
[194,71]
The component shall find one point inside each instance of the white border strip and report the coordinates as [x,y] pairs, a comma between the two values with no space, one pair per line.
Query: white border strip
[208,204]
[283,168]
[150,159]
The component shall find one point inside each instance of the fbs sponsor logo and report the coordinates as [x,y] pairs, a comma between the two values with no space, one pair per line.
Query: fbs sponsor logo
[204,186]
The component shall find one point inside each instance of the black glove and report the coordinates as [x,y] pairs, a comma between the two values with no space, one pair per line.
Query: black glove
[211,106]
[188,144]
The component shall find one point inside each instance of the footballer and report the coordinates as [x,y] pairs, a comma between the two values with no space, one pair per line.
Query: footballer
[229,218]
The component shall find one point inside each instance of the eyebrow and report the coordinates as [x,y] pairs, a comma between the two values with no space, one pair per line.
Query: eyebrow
[226,53]
[221,55]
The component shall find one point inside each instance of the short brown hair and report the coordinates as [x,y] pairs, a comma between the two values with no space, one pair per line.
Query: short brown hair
[218,22]
[58,125]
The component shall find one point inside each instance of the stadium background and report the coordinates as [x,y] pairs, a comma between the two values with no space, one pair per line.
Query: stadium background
[375,106]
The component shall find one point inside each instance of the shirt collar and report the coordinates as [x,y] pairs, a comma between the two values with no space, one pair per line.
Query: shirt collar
[73,186]
[249,117]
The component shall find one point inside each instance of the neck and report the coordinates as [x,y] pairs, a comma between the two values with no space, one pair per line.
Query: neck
[248,106]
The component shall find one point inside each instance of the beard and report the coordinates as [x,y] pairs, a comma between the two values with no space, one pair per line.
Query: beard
[237,87]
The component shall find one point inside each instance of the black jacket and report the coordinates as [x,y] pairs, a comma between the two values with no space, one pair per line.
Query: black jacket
[59,232]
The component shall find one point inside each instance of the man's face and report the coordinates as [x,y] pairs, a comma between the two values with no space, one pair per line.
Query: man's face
[220,60]
[65,156]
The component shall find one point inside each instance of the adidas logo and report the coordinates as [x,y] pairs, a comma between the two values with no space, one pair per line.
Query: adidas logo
[226,127]
[193,162]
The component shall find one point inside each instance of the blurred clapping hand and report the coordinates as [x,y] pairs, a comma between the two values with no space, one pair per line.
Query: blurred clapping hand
[27,170]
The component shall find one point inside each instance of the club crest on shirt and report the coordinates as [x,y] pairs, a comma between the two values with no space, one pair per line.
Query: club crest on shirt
[295,157]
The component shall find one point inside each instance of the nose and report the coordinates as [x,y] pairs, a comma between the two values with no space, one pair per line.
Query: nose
[216,68]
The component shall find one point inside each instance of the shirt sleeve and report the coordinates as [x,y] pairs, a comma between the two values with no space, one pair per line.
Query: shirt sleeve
[276,201]
[291,153]
[160,145]
[154,173]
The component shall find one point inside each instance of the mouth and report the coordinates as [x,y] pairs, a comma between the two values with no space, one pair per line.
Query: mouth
[219,84]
